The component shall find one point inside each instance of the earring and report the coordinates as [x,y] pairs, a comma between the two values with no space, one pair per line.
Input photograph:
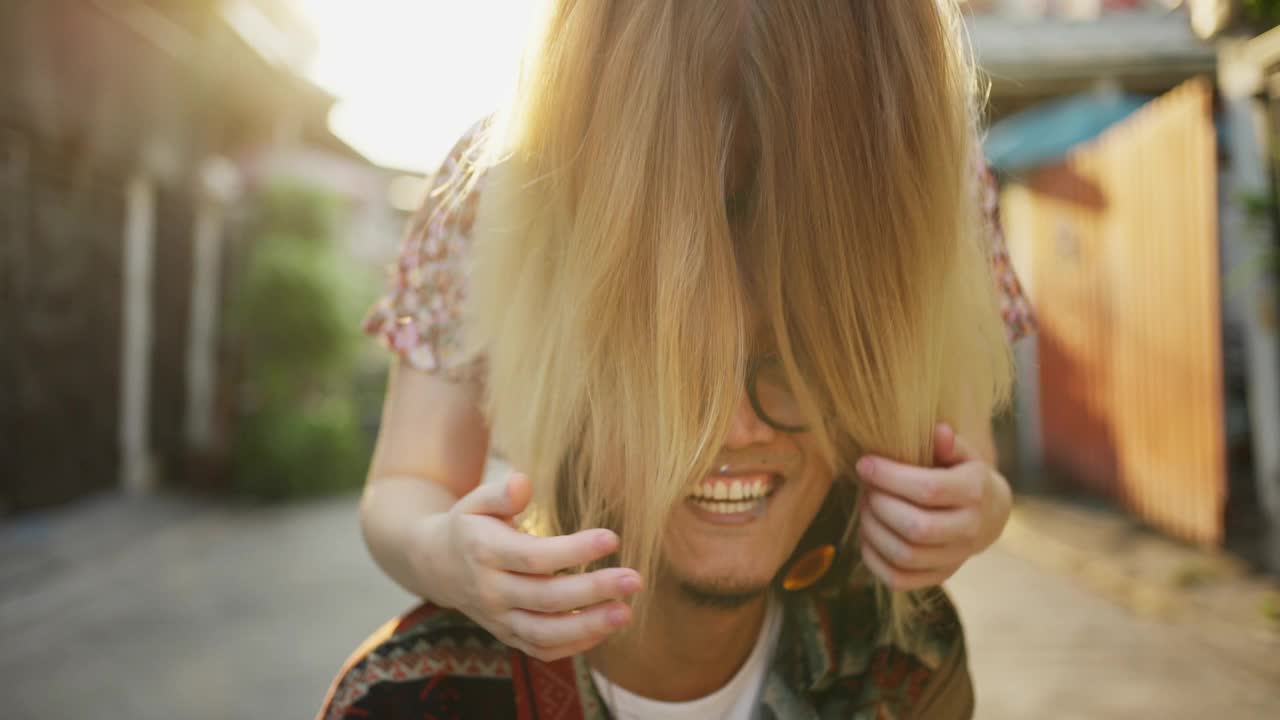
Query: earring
[809,568]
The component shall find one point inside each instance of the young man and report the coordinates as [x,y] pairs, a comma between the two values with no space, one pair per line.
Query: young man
[723,285]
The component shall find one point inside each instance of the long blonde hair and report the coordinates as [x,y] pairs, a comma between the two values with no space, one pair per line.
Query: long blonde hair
[616,285]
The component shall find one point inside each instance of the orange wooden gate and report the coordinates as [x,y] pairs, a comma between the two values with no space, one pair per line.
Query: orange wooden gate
[1122,245]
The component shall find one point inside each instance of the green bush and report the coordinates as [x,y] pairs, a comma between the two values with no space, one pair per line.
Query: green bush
[295,322]
[1262,13]
[307,214]
[284,452]
[294,317]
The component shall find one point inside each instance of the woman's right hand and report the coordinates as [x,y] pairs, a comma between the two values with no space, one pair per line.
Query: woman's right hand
[506,580]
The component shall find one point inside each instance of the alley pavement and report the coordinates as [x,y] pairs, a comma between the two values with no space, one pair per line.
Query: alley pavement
[169,608]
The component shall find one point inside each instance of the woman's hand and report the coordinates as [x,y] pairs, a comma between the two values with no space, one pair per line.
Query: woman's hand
[920,524]
[505,580]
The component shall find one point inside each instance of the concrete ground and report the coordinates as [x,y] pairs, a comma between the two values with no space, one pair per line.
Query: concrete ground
[184,612]
[1041,646]
[172,609]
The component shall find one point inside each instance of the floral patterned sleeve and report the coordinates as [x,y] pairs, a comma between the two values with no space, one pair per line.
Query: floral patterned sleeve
[1018,318]
[420,317]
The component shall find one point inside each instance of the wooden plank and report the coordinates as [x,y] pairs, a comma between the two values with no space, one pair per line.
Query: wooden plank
[1124,236]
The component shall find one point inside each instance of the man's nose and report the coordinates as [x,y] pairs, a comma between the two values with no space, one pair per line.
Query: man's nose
[747,428]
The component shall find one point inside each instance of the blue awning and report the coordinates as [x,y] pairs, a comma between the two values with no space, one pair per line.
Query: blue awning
[1046,133]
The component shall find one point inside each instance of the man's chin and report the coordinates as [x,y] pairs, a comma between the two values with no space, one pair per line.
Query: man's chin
[721,594]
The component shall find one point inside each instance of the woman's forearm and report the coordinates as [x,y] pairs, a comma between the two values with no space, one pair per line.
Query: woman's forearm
[432,449]
[403,519]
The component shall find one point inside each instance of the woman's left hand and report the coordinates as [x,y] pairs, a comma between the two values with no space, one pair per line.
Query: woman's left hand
[920,524]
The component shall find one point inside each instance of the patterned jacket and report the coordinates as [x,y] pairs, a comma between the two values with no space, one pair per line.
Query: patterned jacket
[830,662]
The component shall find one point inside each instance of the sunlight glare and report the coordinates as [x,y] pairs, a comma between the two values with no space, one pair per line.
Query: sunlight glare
[413,75]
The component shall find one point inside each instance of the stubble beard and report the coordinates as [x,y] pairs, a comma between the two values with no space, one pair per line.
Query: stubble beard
[721,595]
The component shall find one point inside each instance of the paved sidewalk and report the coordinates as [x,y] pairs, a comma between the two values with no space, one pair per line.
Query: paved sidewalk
[1042,646]
[202,614]
[172,609]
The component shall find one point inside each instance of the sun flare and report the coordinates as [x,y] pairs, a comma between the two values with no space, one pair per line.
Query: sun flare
[413,75]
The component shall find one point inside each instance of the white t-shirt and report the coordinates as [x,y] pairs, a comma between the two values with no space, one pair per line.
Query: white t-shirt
[737,700]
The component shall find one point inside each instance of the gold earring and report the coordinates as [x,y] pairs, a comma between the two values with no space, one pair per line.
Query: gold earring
[809,568]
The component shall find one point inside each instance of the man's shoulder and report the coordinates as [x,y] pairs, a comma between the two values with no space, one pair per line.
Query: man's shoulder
[433,661]
[859,616]
[873,668]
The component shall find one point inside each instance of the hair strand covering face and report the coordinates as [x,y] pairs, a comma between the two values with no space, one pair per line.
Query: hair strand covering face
[616,298]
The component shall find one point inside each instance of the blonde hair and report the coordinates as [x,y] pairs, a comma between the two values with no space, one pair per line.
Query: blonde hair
[615,295]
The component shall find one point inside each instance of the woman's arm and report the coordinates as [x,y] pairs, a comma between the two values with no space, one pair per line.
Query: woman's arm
[431,451]
[438,531]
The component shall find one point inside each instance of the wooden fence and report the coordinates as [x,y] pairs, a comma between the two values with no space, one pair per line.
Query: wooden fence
[1122,244]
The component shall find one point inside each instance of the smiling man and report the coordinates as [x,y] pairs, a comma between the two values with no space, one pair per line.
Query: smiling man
[716,284]
[753,614]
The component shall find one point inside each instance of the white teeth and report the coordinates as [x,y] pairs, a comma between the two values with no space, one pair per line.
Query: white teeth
[726,508]
[732,490]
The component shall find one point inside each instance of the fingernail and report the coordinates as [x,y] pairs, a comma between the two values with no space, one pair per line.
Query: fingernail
[605,541]
[629,583]
[866,466]
[617,616]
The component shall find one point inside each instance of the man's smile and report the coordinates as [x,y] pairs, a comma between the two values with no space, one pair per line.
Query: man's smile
[734,495]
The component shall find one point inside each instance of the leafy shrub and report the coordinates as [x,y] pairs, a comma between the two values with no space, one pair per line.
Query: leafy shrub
[295,325]
[284,452]
[1263,13]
